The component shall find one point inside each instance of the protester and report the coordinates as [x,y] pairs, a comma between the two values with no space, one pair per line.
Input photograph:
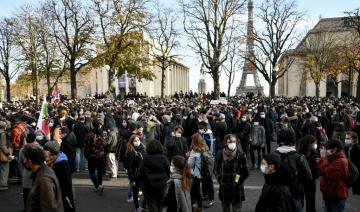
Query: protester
[258,140]
[351,138]
[5,156]
[45,193]
[178,196]
[80,130]
[333,169]
[68,146]
[17,139]
[58,161]
[231,171]
[176,144]
[275,195]
[110,149]
[153,174]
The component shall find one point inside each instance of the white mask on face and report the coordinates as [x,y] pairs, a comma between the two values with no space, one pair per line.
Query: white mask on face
[231,146]
[329,152]
[262,116]
[243,119]
[315,146]
[137,143]
[172,169]
[348,142]
[201,131]
[177,134]
[263,169]
[39,137]
[256,123]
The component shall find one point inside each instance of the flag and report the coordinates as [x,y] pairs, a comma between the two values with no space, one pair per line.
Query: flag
[42,123]
[56,94]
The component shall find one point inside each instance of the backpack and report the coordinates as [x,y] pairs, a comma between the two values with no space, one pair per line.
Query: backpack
[296,187]
[353,174]
[207,164]
[120,152]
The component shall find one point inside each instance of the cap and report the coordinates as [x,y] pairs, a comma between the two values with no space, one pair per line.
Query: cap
[333,143]
[52,146]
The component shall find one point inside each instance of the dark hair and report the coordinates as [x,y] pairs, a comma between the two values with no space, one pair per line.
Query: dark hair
[273,159]
[34,153]
[178,127]
[229,136]
[203,124]
[31,137]
[181,163]
[305,142]
[286,137]
[353,136]
[154,147]
[65,130]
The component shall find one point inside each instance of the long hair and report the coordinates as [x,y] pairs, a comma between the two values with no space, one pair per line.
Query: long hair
[130,146]
[305,144]
[198,144]
[181,164]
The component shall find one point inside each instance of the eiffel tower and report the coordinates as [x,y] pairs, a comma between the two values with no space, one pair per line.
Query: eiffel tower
[249,68]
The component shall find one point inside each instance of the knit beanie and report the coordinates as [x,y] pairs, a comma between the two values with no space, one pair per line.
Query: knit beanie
[52,146]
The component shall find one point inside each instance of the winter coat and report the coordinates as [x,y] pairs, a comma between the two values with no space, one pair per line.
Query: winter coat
[176,146]
[68,146]
[80,131]
[268,126]
[177,199]
[194,161]
[111,142]
[4,142]
[211,142]
[276,195]
[355,159]
[153,174]
[45,193]
[231,176]
[94,147]
[243,131]
[219,130]
[257,136]
[63,173]
[334,172]
[133,161]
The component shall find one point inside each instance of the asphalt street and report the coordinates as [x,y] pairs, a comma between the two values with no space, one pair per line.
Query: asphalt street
[115,194]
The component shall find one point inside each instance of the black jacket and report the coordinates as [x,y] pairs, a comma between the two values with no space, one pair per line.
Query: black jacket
[154,173]
[133,161]
[243,131]
[176,146]
[225,172]
[68,146]
[276,195]
[355,158]
[80,131]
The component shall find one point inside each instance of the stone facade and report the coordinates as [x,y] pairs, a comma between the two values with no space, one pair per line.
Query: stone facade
[296,82]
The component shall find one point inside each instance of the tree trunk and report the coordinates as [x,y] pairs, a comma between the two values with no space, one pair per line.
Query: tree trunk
[229,85]
[48,82]
[272,89]
[73,80]
[216,78]
[350,83]
[8,90]
[336,85]
[162,82]
[317,90]
[358,88]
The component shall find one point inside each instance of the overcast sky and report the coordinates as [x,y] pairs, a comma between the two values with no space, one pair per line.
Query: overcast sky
[314,9]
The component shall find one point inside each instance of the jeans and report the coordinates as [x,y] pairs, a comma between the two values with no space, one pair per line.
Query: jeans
[16,164]
[4,173]
[130,191]
[208,187]
[112,163]
[95,164]
[80,160]
[298,205]
[252,155]
[195,192]
[335,205]
[226,206]
[26,192]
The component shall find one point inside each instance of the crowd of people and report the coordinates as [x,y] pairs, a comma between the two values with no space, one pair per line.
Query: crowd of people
[175,149]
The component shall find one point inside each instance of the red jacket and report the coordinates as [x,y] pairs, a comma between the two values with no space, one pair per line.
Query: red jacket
[334,171]
[15,137]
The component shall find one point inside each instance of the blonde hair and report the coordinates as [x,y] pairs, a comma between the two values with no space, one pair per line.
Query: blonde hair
[198,144]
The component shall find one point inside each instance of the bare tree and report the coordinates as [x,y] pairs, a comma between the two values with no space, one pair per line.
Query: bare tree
[7,53]
[117,21]
[211,25]
[320,54]
[72,28]
[164,37]
[232,65]
[26,31]
[280,18]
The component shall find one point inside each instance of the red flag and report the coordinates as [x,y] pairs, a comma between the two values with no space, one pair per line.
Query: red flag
[56,94]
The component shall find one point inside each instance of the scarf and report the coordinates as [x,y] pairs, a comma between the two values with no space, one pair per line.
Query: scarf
[183,198]
[229,155]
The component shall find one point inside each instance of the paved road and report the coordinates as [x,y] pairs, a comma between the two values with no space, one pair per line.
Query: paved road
[114,196]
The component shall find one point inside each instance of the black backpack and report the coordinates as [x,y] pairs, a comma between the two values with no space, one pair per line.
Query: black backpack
[120,152]
[289,165]
[353,174]
[207,164]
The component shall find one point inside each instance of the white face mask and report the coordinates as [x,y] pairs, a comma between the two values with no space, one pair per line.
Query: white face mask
[348,142]
[231,146]
[315,146]
[329,152]
[39,137]
[243,119]
[201,131]
[263,169]
[137,143]
[172,169]
[256,123]
[262,116]
[177,134]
